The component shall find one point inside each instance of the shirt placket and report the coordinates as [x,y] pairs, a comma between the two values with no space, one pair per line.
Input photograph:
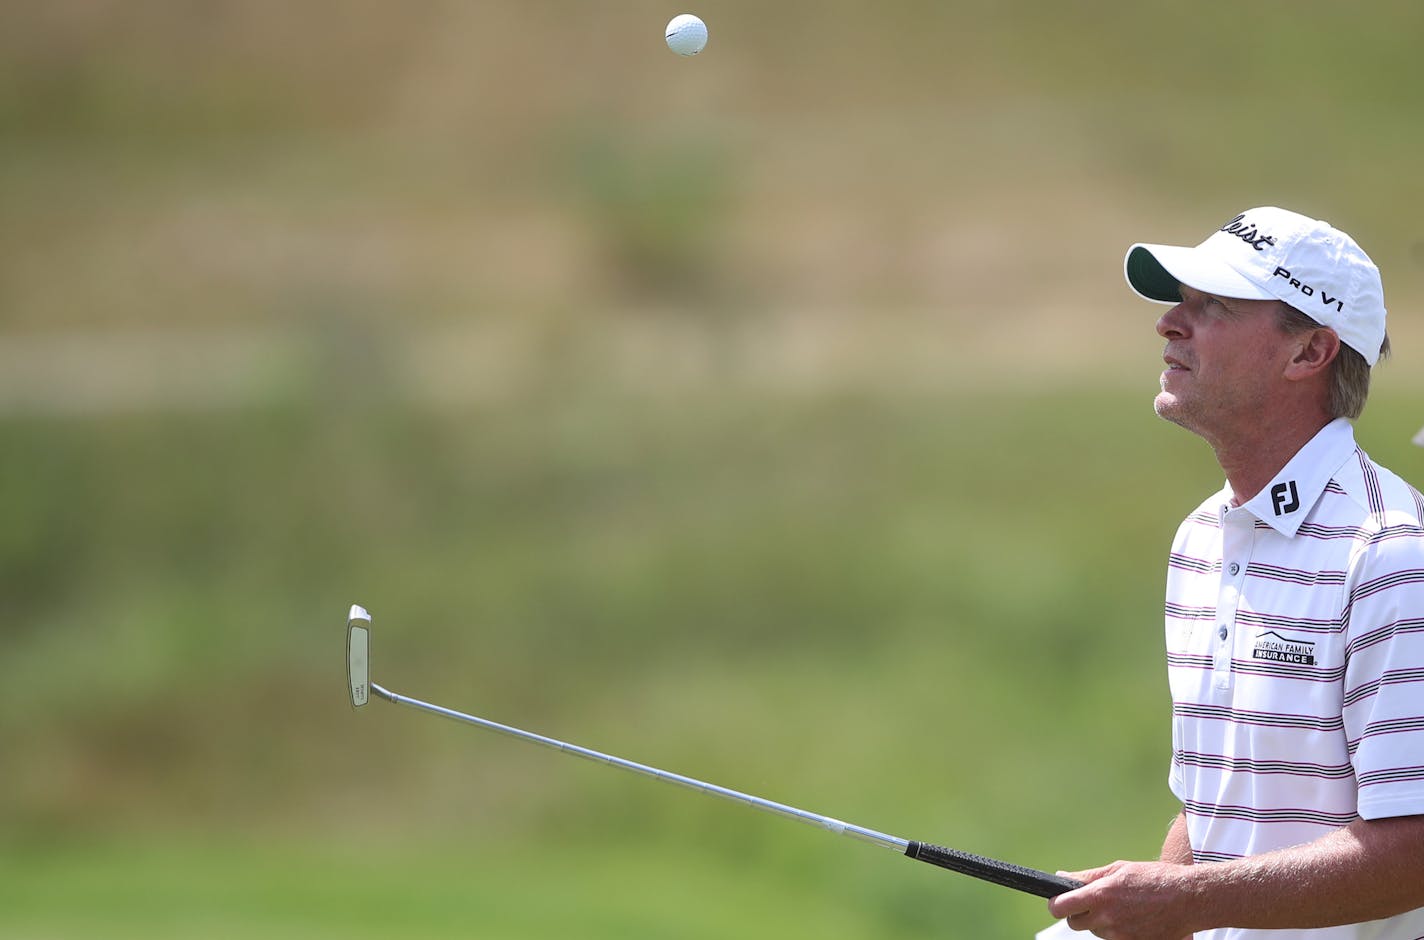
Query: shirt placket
[1238,532]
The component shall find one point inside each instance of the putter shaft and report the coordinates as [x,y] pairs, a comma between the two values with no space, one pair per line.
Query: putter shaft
[1006,874]
[781,809]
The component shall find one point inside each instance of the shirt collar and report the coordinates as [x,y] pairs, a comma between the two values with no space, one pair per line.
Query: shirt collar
[1284,503]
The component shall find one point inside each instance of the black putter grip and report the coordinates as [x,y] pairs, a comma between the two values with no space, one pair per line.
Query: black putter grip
[1027,880]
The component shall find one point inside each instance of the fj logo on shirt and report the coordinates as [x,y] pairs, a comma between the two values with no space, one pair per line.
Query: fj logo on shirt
[1284,498]
[1280,649]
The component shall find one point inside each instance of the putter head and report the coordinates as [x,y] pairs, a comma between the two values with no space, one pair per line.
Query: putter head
[1419,438]
[358,655]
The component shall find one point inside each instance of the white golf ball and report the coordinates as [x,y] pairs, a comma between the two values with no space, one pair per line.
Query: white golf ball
[686,34]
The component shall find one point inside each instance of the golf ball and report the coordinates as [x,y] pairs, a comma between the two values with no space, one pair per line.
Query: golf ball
[686,34]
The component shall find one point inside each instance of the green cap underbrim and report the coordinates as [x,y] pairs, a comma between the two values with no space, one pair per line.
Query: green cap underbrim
[1147,276]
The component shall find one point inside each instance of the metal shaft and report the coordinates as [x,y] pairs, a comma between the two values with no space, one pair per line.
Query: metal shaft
[1017,877]
[780,809]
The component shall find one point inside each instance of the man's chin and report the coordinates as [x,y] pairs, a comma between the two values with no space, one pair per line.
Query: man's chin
[1168,407]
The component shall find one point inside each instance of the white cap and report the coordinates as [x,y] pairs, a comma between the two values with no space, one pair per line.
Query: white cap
[1271,253]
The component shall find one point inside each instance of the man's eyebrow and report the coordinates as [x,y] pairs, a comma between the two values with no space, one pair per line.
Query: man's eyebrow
[1186,292]
[1229,304]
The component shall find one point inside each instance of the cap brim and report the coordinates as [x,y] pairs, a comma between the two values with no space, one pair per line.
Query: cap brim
[1155,272]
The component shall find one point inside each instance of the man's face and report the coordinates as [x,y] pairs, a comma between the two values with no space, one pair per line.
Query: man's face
[1225,358]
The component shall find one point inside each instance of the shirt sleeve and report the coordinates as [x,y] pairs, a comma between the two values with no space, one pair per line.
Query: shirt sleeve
[1384,674]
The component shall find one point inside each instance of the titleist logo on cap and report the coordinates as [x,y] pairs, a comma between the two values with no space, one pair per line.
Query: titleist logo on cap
[1248,233]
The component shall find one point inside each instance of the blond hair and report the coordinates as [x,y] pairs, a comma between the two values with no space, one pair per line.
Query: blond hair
[1349,373]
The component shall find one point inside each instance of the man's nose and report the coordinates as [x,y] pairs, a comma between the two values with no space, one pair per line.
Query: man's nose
[1173,323]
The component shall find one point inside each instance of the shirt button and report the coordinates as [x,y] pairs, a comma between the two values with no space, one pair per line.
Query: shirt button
[1222,632]
[1235,568]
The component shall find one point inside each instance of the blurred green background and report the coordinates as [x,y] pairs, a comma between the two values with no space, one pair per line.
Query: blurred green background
[778,417]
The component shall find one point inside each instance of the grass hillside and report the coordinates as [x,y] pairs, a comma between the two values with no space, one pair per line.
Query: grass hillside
[777,417]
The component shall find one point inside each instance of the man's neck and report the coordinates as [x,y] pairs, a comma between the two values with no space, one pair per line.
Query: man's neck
[1251,461]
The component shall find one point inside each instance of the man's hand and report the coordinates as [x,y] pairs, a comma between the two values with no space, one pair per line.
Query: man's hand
[1129,901]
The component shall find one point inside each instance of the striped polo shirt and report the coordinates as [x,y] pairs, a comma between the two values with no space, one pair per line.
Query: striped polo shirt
[1295,654]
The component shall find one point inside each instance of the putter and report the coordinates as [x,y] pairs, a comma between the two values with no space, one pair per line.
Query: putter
[1027,880]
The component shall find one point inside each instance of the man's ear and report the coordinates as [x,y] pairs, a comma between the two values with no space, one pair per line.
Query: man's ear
[1315,351]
